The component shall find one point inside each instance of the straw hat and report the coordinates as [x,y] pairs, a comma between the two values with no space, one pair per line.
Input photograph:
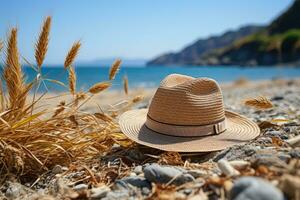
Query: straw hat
[187,115]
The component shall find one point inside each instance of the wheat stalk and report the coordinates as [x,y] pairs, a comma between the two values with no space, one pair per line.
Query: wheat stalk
[260,102]
[13,74]
[41,46]
[59,109]
[72,80]
[114,69]
[125,83]
[103,117]
[137,98]
[72,54]
[98,87]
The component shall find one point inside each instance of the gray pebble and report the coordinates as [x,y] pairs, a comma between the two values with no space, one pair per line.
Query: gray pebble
[277,98]
[250,188]
[295,153]
[164,174]
[268,159]
[138,169]
[279,134]
[13,192]
[80,187]
[135,181]
[236,152]
[117,195]
[196,173]
[57,169]
[100,192]
[146,191]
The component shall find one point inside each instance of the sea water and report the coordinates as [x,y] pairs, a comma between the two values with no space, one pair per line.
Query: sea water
[147,77]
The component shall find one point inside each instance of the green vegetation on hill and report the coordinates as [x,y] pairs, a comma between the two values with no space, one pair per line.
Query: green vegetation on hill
[259,49]
[286,40]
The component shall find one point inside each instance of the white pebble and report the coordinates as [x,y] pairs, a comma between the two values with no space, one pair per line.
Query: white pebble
[227,169]
[294,142]
[239,164]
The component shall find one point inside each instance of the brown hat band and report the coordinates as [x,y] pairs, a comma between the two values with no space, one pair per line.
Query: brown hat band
[185,130]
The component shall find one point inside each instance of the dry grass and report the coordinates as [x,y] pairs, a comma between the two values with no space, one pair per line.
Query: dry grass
[32,140]
[114,69]
[99,87]
[241,81]
[125,84]
[14,77]
[260,103]
[137,99]
[72,54]
[41,46]
[72,80]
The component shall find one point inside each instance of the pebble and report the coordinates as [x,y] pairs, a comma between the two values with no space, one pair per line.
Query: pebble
[99,192]
[227,168]
[295,153]
[267,158]
[80,187]
[290,185]
[236,152]
[138,169]
[251,188]
[294,142]
[274,133]
[239,164]
[14,191]
[135,181]
[196,173]
[146,191]
[57,169]
[117,195]
[164,174]
[277,98]
[132,174]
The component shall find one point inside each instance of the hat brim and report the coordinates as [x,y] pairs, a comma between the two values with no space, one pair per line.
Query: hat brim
[239,130]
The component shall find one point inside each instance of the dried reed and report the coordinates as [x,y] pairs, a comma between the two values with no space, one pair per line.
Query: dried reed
[260,103]
[33,142]
[137,99]
[13,74]
[72,54]
[114,69]
[72,80]
[41,46]
[125,83]
[103,117]
[99,87]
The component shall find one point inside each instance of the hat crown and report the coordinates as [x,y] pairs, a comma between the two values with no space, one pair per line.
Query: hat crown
[184,100]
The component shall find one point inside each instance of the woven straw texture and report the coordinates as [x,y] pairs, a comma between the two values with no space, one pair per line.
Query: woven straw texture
[183,100]
[186,101]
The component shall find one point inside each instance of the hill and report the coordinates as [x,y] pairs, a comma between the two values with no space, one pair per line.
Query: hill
[277,43]
[191,53]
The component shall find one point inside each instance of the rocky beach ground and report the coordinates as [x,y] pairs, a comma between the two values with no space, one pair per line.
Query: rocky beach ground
[265,168]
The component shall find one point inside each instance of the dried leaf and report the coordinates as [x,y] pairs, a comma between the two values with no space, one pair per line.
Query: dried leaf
[265,124]
[170,158]
[277,141]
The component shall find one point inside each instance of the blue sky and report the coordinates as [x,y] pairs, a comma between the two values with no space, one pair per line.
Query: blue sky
[128,28]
